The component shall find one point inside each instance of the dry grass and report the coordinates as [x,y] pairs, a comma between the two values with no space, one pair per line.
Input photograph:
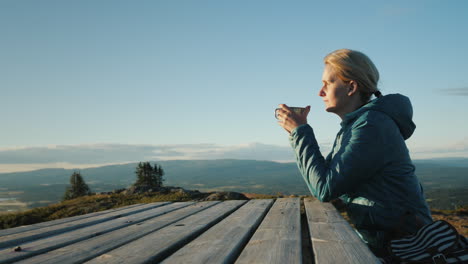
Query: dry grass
[259,196]
[458,218]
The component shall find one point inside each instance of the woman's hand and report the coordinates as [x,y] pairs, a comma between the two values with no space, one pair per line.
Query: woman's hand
[289,120]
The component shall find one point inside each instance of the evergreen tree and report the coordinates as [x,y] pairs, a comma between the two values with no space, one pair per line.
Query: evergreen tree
[159,174]
[77,187]
[148,175]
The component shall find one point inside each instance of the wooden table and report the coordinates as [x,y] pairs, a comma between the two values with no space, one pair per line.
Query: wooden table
[236,231]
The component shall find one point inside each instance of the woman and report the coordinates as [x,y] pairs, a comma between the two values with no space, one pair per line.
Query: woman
[369,167]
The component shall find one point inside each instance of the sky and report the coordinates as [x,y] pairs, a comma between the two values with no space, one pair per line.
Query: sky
[101,82]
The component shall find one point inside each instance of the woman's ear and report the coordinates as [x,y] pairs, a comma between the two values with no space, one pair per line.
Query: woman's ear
[353,88]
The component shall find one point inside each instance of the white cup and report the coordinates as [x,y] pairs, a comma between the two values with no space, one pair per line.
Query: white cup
[297,110]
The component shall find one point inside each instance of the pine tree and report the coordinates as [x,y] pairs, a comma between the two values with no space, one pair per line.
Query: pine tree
[77,187]
[142,174]
[148,175]
[159,174]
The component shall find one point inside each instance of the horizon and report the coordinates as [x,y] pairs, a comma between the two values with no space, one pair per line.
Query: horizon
[74,157]
[89,83]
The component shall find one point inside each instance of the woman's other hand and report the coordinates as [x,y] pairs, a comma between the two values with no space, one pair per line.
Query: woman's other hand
[289,120]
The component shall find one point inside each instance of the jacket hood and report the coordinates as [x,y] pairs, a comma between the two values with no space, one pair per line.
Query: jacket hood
[397,106]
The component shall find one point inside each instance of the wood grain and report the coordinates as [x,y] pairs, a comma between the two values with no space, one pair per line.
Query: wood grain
[223,242]
[333,239]
[157,245]
[20,229]
[96,246]
[71,224]
[40,246]
[278,238]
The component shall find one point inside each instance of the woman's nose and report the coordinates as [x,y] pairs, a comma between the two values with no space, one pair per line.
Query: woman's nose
[321,93]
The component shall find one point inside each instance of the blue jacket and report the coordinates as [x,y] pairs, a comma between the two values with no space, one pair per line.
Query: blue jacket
[369,168]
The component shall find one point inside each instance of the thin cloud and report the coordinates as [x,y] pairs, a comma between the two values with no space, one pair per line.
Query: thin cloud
[95,155]
[463,91]
[455,149]
[4,168]
[76,154]
[85,155]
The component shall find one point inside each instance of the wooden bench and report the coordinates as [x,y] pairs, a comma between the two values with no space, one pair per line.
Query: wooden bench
[236,231]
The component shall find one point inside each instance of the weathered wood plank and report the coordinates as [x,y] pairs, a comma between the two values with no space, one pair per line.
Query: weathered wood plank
[319,212]
[24,228]
[43,245]
[333,239]
[223,242]
[157,245]
[11,240]
[332,252]
[278,238]
[95,246]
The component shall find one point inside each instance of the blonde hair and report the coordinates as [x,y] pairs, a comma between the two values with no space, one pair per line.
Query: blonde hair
[351,65]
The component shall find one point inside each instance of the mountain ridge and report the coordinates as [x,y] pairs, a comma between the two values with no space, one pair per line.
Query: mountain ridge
[444,180]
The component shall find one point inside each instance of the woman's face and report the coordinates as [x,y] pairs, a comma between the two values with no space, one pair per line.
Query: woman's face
[334,91]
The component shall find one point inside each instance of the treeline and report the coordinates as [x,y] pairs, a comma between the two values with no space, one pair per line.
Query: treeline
[146,176]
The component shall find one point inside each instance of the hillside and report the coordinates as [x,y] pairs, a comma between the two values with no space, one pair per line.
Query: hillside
[445,181]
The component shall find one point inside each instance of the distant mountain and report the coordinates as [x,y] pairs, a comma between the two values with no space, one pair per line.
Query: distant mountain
[448,162]
[445,180]
[203,174]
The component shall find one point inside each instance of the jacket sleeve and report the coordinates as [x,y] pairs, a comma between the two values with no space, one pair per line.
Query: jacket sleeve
[359,158]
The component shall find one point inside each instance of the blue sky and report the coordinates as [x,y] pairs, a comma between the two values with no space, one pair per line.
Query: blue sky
[190,74]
